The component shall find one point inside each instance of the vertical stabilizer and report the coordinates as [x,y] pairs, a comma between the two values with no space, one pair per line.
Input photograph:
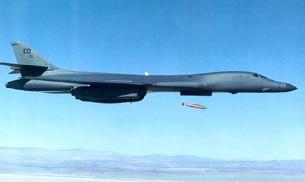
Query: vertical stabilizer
[26,55]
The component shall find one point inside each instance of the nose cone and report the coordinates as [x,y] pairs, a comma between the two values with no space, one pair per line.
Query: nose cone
[290,87]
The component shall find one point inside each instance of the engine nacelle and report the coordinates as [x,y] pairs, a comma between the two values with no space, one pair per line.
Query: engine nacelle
[109,94]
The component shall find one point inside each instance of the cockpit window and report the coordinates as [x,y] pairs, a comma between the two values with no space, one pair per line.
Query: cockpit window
[258,75]
[263,76]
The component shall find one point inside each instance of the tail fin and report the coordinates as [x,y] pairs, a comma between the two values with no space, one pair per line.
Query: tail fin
[25,55]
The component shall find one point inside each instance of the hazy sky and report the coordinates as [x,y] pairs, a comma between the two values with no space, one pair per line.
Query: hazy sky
[160,37]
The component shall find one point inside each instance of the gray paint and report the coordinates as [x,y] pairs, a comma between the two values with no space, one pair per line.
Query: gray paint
[129,87]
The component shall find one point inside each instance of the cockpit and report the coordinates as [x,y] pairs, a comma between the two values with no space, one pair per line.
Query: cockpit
[258,75]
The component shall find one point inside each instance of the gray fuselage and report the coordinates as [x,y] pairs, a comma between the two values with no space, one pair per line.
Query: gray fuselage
[37,74]
[61,81]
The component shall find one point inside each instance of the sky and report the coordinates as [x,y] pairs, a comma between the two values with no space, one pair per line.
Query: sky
[160,37]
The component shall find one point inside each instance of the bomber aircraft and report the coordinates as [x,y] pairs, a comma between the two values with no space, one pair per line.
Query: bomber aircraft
[37,74]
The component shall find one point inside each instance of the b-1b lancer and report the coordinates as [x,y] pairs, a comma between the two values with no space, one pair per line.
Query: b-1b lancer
[37,74]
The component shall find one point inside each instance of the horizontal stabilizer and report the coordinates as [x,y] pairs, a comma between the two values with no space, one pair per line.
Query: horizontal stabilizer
[15,72]
[25,70]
